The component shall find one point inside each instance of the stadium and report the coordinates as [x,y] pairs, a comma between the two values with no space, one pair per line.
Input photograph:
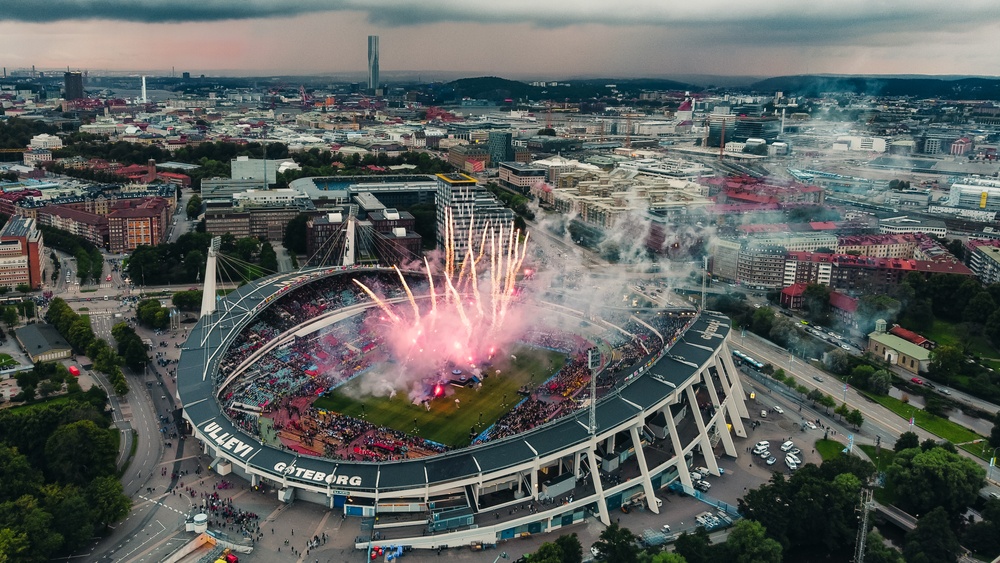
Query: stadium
[294,382]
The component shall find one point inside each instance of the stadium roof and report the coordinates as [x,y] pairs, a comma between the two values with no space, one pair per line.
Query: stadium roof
[196,394]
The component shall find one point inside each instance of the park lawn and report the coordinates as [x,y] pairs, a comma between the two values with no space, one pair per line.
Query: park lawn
[829,449]
[943,332]
[884,458]
[445,422]
[941,427]
[6,361]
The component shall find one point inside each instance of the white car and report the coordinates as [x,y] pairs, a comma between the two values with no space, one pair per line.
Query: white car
[810,425]
[764,454]
[779,410]
[845,346]
[787,446]
[763,444]
[771,460]
[763,413]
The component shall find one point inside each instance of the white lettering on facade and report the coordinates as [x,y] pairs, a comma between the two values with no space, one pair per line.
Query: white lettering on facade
[316,476]
[709,331]
[227,441]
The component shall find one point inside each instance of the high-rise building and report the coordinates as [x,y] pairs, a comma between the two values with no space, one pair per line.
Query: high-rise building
[73,85]
[372,62]
[500,147]
[472,208]
[21,253]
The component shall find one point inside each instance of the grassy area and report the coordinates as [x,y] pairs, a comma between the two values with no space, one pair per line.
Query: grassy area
[7,361]
[944,332]
[884,458]
[829,449]
[446,422]
[941,427]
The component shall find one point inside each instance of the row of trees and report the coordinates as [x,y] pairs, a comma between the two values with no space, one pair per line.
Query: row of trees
[134,352]
[58,483]
[89,260]
[184,261]
[77,331]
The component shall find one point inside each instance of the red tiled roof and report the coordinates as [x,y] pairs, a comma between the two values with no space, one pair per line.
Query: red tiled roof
[907,335]
[843,302]
[794,290]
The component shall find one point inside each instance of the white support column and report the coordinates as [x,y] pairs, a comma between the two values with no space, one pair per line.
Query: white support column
[595,475]
[675,439]
[609,445]
[208,295]
[706,376]
[706,442]
[534,480]
[734,379]
[647,482]
[734,397]
[576,465]
[720,424]
[727,439]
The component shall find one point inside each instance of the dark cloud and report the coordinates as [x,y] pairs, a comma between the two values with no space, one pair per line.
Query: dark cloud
[723,22]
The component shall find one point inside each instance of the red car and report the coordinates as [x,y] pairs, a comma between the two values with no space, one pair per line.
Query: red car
[917,380]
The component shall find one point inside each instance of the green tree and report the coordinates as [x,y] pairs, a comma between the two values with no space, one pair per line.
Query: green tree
[10,317]
[17,476]
[193,208]
[548,553]
[920,315]
[946,362]
[838,362]
[695,547]
[617,545]
[876,551]
[979,308]
[855,418]
[906,441]
[295,234]
[268,258]
[662,557]
[861,375]
[995,431]
[572,551]
[880,382]
[816,303]
[748,543]
[80,451]
[107,499]
[924,479]
[932,541]
[188,300]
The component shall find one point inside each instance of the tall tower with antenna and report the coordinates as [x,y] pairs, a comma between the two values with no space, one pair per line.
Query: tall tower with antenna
[373,62]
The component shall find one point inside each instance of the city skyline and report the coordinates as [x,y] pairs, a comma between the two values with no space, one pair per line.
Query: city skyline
[516,39]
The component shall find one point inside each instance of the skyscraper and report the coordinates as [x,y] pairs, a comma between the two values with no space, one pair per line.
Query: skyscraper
[74,85]
[372,62]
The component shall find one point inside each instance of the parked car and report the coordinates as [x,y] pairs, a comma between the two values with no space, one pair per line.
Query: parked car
[765,454]
[763,413]
[779,410]
[771,460]
[795,451]
[787,446]
[917,380]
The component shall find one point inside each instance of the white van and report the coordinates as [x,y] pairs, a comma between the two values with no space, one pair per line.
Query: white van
[792,462]
[763,443]
[787,446]
[760,449]
[695,476]
[794,458]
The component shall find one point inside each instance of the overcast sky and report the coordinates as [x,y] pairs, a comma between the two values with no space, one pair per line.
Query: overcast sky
[511,38]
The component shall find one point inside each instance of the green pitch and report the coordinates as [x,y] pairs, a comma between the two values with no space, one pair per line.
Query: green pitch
[445,423]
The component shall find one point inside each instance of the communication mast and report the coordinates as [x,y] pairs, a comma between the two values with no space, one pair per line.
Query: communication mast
[867,505]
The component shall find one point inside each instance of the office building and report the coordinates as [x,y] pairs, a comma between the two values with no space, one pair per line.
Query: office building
[499,144]
[143,224]
[73,84]
[373,62]
[472,206]
[21,252]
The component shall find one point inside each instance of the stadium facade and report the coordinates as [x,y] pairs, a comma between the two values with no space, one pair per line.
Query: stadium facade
[687,400]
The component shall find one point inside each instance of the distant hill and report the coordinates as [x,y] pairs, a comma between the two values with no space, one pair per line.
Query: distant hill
[920,87]
[498,89]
